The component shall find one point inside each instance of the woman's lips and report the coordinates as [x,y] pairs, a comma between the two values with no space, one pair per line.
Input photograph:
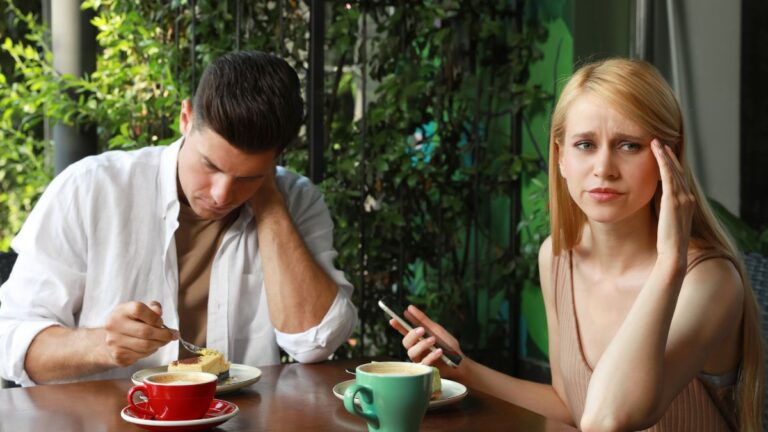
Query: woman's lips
[604,194]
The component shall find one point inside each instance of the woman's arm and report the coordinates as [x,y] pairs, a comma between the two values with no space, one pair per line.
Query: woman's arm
[543,399]
[673,327]
[660,348]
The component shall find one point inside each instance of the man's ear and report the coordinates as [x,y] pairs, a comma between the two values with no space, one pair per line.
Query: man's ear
[185,117]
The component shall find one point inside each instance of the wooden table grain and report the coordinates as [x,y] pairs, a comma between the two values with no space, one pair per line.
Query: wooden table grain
[290,397]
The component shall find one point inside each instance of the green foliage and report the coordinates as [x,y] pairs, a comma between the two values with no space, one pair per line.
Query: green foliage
[419,187]
[747,238]
[133,96]
[25,96]
[436,164]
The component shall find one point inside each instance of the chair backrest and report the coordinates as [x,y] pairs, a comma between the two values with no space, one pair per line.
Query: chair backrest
[757,269]
[7,259]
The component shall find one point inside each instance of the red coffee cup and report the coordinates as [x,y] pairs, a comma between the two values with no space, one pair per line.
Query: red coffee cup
[175,395]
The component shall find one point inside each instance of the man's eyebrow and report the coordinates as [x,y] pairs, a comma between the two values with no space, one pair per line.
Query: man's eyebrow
[256,176]
[209,162]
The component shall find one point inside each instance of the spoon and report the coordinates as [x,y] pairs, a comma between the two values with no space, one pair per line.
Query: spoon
[187,345]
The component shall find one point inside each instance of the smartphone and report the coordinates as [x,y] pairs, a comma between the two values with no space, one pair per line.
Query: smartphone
[450,357]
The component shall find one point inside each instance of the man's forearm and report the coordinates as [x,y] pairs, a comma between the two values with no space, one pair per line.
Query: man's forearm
[299,291]
[59,353]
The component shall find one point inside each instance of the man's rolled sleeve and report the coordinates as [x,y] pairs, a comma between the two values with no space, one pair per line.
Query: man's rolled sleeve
[319,342]
[15,338]
[45,287]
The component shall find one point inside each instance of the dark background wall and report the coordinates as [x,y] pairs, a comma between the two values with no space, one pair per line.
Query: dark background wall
[754,113]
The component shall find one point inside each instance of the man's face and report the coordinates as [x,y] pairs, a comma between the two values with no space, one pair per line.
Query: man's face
[216,177]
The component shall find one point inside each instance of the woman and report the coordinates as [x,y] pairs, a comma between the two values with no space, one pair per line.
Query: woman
[652,323]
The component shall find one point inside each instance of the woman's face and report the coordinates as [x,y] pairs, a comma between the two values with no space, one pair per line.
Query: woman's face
[607,162]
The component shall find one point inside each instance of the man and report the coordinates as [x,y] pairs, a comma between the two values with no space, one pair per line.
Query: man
[206,236]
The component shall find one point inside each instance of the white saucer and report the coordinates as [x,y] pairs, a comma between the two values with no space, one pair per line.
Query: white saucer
[452,392]
[239,376]
[219,412]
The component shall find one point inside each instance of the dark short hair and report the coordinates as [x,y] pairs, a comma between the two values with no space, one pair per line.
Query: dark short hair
[252,99]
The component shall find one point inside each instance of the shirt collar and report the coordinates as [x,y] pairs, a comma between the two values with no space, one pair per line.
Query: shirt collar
[168,169]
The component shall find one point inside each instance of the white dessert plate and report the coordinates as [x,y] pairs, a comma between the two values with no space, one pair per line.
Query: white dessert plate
[452,392]
[239,376]
[219,412]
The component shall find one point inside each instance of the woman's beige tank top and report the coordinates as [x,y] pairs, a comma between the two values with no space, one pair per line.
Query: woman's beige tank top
[706,404]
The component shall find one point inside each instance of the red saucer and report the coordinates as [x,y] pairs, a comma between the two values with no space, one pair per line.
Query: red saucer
[219,412]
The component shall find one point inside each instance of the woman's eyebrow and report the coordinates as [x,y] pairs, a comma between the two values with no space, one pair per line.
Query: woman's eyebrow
[583,135]
[629,137]
[619,136]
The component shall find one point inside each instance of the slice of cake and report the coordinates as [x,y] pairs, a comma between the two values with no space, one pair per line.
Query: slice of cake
[210,360]
[437,384]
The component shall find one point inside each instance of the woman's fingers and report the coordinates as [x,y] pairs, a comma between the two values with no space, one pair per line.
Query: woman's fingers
[676,207]
[671,171]
[677,170]
[413,337]
[420,316]
[432,358]
[665,171]
[418,348]
[673,157]
[666,166]
[419,351]
[397,326]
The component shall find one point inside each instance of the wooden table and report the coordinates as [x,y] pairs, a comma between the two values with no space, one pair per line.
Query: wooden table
[287,398]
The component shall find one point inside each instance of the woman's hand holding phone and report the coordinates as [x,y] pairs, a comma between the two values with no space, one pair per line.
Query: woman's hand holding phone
[419,350]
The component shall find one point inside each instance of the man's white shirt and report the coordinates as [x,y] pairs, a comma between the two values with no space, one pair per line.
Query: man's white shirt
[103,234]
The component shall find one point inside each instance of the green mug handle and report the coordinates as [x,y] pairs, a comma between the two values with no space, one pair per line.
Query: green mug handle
[366,402]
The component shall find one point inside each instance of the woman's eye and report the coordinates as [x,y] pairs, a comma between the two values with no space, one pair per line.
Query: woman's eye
[630,146]
[584,145]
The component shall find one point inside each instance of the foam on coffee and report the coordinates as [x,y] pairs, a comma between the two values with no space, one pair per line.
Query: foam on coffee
[179,379]
[394,369]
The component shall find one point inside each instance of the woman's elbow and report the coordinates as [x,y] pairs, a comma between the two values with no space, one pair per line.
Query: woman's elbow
[600,423]
[616,420]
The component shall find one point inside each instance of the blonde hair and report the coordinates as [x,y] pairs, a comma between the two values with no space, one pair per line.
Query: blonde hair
[637,90]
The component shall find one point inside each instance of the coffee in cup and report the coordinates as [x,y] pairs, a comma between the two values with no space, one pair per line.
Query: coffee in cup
[175,395]
[393,396]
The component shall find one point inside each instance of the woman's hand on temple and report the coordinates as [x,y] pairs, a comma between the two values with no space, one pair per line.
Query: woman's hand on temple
[419,349]
[676,208]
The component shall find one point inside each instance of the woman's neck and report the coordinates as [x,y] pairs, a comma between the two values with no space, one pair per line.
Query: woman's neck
[614,248]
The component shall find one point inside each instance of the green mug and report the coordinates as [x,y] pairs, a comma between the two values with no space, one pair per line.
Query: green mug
[393,395]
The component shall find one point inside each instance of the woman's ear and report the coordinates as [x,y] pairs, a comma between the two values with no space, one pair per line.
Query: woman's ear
[559,156]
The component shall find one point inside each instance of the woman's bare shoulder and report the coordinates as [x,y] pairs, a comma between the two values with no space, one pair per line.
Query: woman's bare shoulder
[708,312]
[545,267]
[545,251]
[717,273]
